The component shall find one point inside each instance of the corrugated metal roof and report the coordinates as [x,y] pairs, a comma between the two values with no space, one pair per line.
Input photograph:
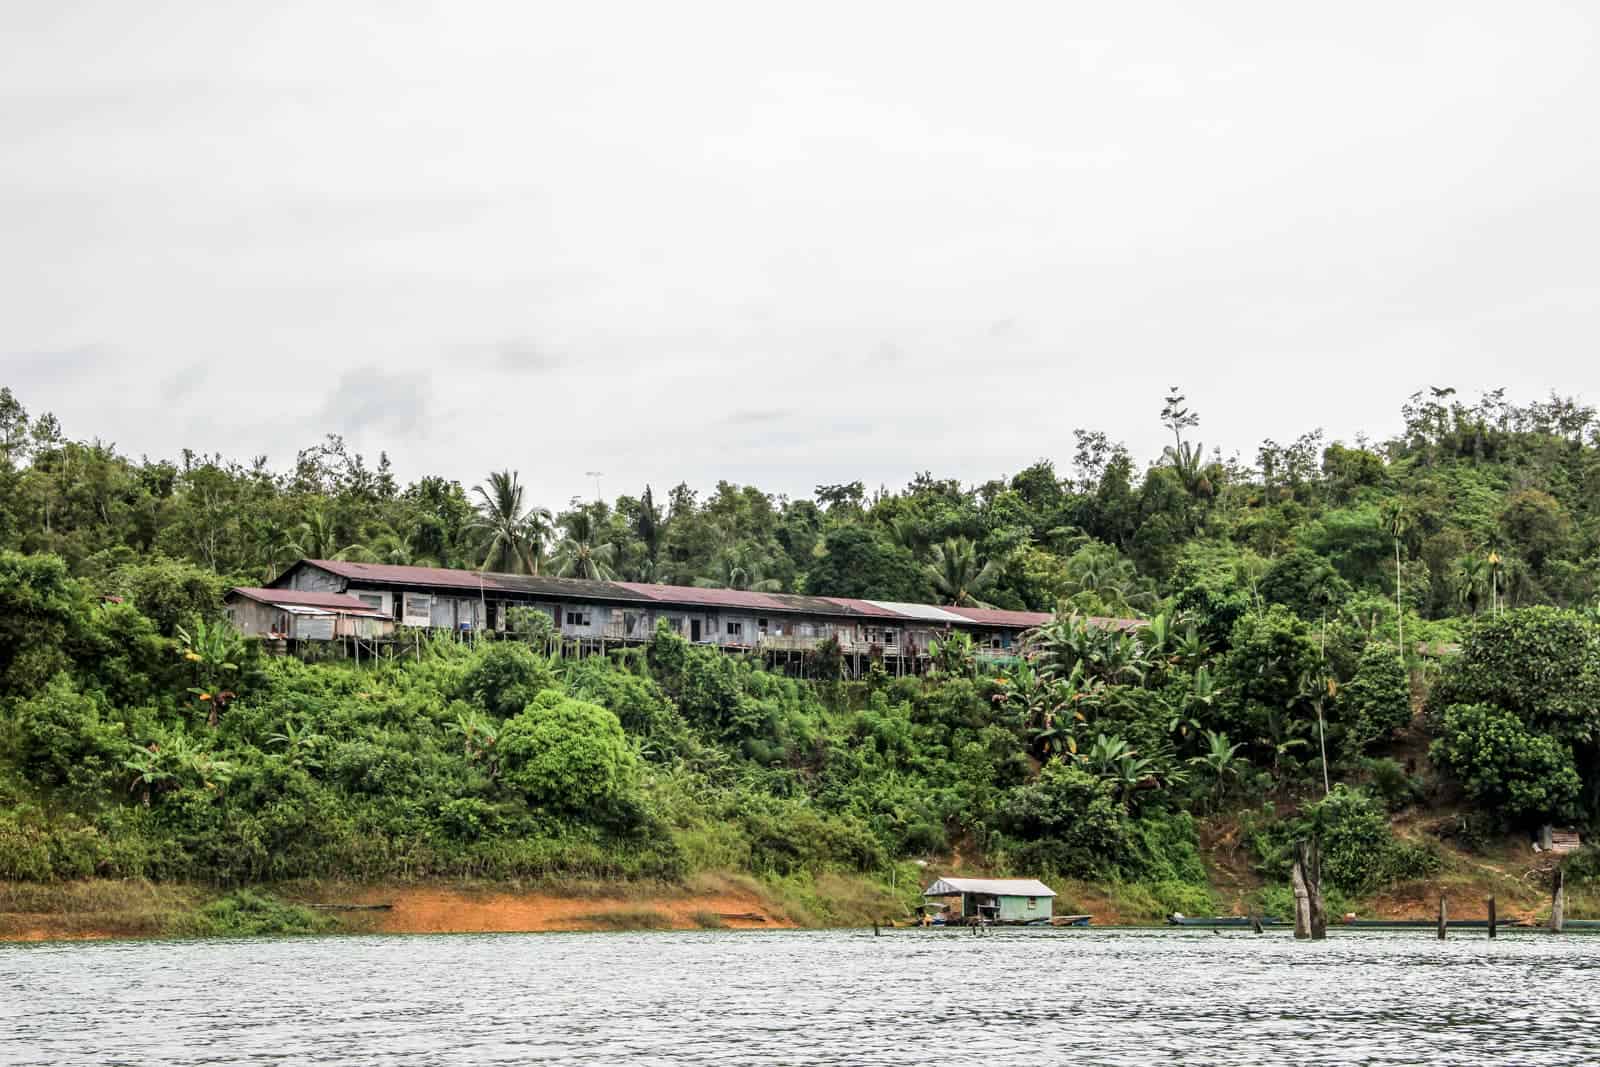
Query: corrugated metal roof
[999,887]
[1001,617]
[924,612]
[862,607]
[488,581]
[687,596]
[342,603]
[716,598]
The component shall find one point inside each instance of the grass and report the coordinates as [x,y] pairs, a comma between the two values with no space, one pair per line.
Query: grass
[95,908]
[246,913]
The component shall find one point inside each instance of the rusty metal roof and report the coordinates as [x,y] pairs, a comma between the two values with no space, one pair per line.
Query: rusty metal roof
[1001,617]
[528,585]
[702,595]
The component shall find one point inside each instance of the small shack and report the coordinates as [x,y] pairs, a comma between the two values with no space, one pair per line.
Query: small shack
[294,615]
[996,900]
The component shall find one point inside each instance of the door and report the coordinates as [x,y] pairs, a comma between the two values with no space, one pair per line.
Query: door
[694,629]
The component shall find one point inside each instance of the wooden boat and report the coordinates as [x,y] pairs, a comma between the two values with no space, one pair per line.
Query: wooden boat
[1221,921]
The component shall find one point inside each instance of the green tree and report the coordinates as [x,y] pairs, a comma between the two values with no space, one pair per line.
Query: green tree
[514,535]
[1525,777]
[580,553]
[858,562]
[957,575]
[569,756]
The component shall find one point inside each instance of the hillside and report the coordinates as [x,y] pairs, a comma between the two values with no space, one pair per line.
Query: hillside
[1393,647]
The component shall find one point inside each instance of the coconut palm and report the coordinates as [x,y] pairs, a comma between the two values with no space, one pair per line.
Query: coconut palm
[734,569]
[579,554]
[317,538]
[957,575]
[1099,579]
[514,537]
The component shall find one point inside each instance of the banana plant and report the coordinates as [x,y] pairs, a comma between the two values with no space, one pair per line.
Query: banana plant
[213,650]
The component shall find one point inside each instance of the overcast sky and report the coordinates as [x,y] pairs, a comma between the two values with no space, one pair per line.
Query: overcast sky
[785,244]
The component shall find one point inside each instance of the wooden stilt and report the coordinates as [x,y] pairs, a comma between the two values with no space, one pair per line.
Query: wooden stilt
[1444,918]
[1558,902]
[1491,919]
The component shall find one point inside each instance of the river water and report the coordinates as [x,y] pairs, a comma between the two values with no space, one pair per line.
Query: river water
[927,997]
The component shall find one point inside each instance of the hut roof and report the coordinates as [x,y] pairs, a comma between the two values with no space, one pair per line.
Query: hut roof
[339,603]
[999,887]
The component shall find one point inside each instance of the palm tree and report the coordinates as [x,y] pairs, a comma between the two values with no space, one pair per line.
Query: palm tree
[317,538]
[649,529]
[1098,578]
[1470,574]
[579,554]
[1396,522]
[736,570]
[516,537]
[957,575]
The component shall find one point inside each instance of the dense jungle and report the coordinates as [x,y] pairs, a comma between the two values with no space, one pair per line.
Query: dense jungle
[1393,645]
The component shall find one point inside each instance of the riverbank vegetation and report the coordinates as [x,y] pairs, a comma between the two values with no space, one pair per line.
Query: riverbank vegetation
[1335,639]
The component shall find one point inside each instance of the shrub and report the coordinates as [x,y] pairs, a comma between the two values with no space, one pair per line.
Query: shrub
[1070,820]
[569,756]
[173,594]
[1376,702]
[504,677]
[1360,853]
[245,913]
[61,738]
[1528,777]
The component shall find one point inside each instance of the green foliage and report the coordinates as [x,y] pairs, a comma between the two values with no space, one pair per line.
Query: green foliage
[504,677]
[857,562]
[1069,820]
[1505,767]
[567,755]
[61,739]
[246,913]
[1376,702]
[1305,583]
[172,593]
[40,608]
[1540,664]
[1360,853]
[493,761]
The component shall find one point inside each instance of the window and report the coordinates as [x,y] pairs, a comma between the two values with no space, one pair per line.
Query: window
[371,600]
[675,623]
[577,618]
[418,609]
[1033,903]
[890,636]
[735,629]
[761,625]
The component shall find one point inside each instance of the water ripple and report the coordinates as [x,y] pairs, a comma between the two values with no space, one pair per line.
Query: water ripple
[912,996]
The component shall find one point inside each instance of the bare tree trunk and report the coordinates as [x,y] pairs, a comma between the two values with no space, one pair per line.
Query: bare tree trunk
[1310,919]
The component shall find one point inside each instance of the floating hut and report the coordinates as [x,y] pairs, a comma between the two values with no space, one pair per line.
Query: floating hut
[995,900]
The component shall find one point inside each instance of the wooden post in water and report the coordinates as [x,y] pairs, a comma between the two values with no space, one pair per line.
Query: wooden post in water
[1444,920]
[1255,923]
[1302,898]
[1491,919]
[1558,902]
[1310,919]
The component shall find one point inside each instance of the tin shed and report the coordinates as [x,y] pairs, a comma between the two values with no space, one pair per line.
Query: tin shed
[1006,900]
